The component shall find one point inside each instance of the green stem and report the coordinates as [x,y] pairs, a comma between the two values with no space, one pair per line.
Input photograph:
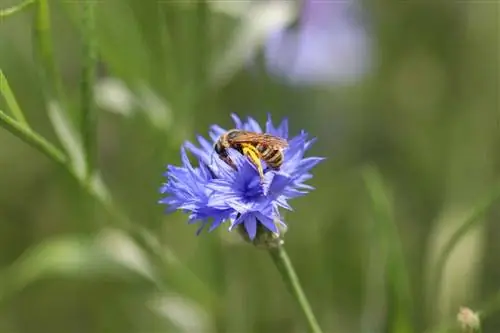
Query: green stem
[14,9]
[33,139]
[88,111]
[11,101]
[48,67]
[390,239]
[285,267]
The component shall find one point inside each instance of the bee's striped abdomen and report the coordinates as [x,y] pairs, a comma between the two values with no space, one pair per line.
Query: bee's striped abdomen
[273,157]
[263,149]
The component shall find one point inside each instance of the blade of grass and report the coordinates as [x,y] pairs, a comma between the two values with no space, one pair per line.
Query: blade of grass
[473,220]
[396,270]
[88,111]
[11,100]
[43,48]
[4,13]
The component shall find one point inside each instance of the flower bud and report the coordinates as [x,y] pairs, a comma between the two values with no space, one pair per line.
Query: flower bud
[468,320]
[264,238]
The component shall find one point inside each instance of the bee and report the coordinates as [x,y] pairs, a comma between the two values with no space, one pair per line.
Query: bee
[256,146]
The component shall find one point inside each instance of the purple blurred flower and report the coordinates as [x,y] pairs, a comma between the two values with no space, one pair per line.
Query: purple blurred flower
[212,191]
[329,45]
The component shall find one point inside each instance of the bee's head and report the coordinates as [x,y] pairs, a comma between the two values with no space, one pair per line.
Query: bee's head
[219,147]
[223,143]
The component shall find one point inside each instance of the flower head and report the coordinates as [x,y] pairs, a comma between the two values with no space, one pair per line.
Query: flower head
[330,45]
[213,192]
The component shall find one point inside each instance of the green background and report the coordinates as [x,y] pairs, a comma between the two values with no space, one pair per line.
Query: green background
[412,150]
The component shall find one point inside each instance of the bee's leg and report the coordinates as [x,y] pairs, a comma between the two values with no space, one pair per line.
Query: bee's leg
[230,162]
[253,155]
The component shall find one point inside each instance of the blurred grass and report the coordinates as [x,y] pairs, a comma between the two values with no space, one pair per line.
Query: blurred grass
[427,119]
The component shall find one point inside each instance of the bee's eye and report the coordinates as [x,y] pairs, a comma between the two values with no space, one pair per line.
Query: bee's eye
[218,148]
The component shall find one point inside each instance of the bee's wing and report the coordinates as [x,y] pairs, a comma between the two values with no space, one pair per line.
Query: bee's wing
[274,141]
[255,138]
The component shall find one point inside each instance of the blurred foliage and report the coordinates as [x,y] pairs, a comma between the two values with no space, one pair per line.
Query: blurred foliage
[425,121]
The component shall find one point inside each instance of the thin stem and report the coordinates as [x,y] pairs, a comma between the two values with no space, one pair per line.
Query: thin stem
[88,111]
[33,139]
[52,84]
[11,101]
[285,267]
[14,9]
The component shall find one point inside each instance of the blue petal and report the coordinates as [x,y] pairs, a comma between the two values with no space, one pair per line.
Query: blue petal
[253,125]
[185,159]
[220,200]
[281,201]
[307,163]
[278,184]
[205,145]
[237,121]
[270,126]
[267,222]
[238,220]
[199,153]
[309,143]
[217,222]
[251,226]
[282,130]
[217,130]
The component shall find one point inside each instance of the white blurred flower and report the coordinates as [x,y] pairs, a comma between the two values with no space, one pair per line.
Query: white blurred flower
[155,107]
[113,95]
[468,319]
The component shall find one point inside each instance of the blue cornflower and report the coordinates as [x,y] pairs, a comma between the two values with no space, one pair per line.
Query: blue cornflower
[330,45]
[213,191]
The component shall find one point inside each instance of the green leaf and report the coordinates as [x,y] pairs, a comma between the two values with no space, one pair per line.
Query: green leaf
[75,257]
[11,100]
[124,250]
[184,313]
[4,13]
